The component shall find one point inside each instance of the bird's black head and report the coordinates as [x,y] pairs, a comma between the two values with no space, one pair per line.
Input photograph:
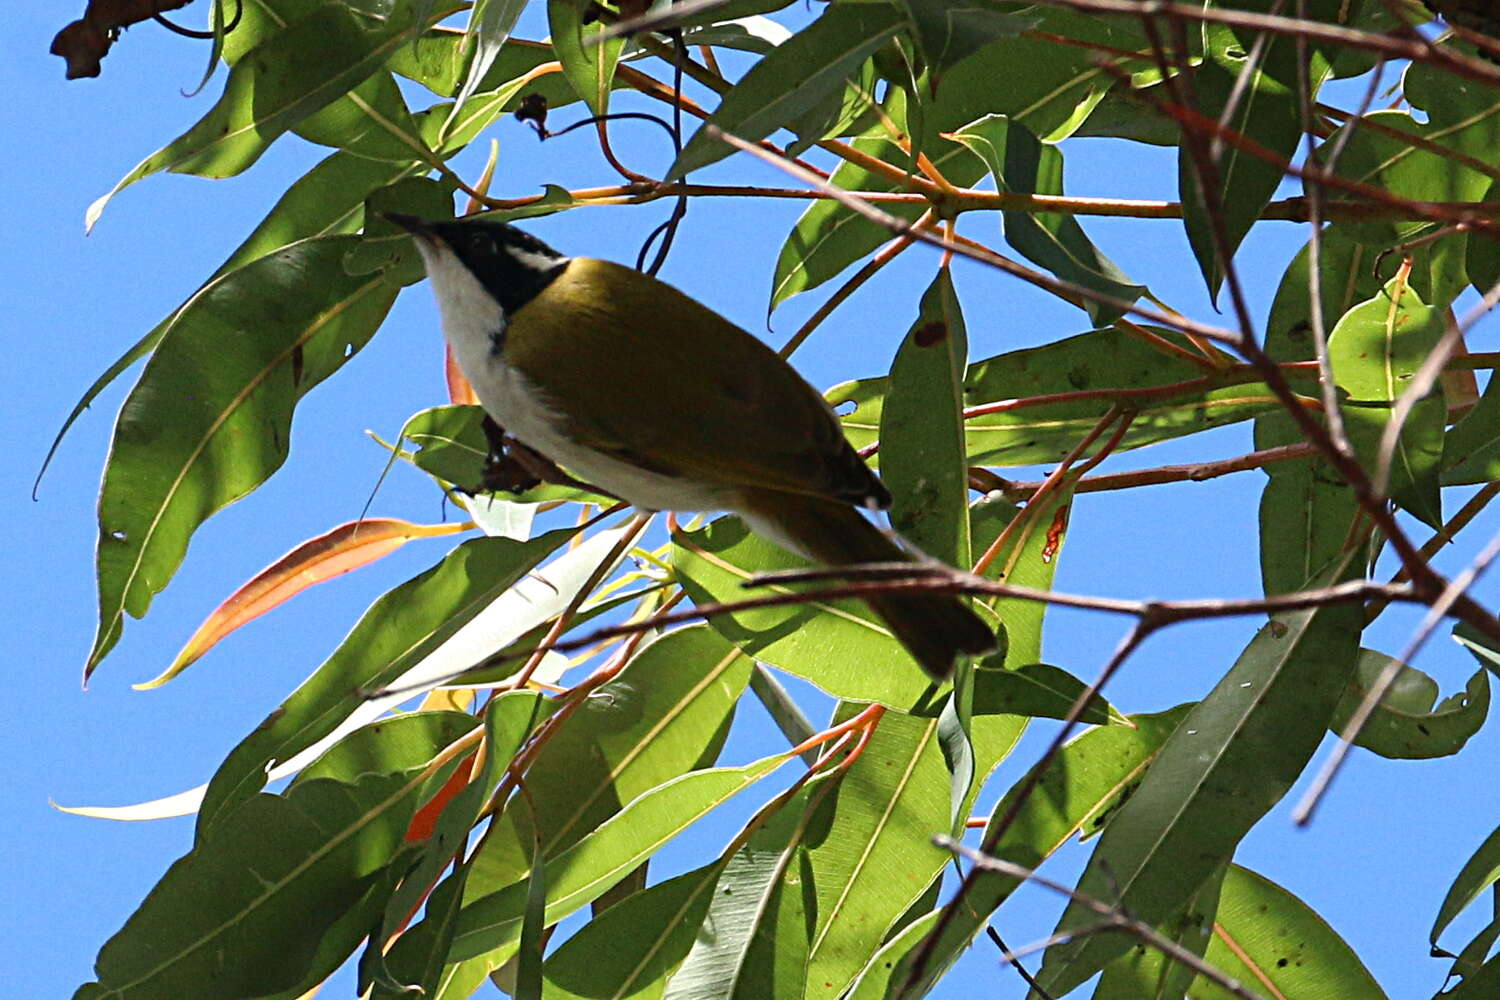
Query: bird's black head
[512,265]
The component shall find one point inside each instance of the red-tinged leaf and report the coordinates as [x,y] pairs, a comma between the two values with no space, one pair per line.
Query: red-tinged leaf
[425,821]
[317,560]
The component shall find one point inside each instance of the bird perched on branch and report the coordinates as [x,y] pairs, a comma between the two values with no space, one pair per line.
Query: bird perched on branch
[627,383]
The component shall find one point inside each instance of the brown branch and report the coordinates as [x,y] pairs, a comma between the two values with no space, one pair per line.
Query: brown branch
[1193,472]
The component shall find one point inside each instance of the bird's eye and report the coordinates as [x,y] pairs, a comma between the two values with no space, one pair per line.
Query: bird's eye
[481,243]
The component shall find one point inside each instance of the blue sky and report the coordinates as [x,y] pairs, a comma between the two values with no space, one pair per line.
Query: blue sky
[1375,863]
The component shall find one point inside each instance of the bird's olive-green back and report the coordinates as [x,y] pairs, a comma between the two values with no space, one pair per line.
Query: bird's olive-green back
[643,372]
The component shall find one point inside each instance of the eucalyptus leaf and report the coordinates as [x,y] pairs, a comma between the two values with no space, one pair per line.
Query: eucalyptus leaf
[791,79]
[270,89]
[1022,165]
[1409,723]
[397,632]
[186,445]
[1233,757]
[1265,935]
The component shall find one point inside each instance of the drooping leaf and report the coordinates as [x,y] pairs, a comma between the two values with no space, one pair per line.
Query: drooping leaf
[1233,757]
[1306,509]
[1375,350]
[328,199]
[1478,873]
[1028,559]
[490,25]
[1409,723]
[922,430]
[1266,114]
[317,560]
[1265,936]
[1022,165]
[210,418]
[792,79]
[588,63]
[251,911]
[1471,449]
[279,83]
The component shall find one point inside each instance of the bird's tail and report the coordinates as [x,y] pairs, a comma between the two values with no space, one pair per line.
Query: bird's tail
[934,628]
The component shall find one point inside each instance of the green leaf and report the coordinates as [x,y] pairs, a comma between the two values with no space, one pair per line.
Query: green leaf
[665,714]
[1036,690]
[387,248]
[1372,155]
[922,430]
[792,79]
[582,873]
[878,858]
[1480,872]
[417,957]
[388,746]
[1478,985]
[1471,449]
[248,911]
[949,31]
[753,941]
[1022,165]
[1108,359]
[1483,262]
[1232,759]
[588,63]
[210,418]
[1048,88]
[1267,114]
[1409,723]
[631,948]
[490,25]
[840,646]
[371,120]
[451,446]
[1029,559]
[1306,509]
[1148,973]
[1375,350]
[270,89]
[328,199]
[1268,938]
[398,631]
[1078,792]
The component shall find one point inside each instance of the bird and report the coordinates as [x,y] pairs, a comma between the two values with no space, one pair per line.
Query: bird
[627,383]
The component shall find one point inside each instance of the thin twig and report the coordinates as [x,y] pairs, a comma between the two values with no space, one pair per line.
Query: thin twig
[1114,917]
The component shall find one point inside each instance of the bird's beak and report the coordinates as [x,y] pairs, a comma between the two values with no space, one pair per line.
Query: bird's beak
[420,228]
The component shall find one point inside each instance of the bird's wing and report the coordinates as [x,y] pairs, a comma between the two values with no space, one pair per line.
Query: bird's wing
[690,393]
